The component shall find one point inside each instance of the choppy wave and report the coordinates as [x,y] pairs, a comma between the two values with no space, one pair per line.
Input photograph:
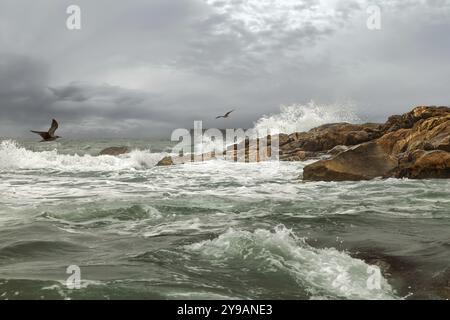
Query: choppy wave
[325,273]
[13,156]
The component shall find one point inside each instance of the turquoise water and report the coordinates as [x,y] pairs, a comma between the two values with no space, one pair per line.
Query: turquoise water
[211,230]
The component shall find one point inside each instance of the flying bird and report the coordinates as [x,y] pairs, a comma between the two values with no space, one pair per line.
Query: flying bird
[226,115]
[50,134]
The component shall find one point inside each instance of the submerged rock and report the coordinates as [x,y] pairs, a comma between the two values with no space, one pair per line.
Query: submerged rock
[166,161]
[114,151]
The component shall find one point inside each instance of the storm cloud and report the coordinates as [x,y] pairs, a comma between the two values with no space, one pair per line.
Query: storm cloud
[143,68]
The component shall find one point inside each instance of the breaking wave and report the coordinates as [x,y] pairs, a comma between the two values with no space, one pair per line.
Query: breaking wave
[300,118]
[325,273]
[13,156]
[290,119]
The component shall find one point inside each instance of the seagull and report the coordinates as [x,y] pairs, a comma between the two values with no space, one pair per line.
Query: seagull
[50,135]
[226,115]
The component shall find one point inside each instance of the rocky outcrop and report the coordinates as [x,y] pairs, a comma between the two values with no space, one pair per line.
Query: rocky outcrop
[114,151]
[298,146]
[415,145]
[407,120]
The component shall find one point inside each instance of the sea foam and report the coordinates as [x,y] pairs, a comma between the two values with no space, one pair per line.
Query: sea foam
[13,157]
[324,272]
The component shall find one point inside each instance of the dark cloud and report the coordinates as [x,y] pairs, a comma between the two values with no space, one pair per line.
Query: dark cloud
[141,68]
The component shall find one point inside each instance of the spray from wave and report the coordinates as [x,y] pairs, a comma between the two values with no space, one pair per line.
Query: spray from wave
[290,119]
[13,156]
[300,118]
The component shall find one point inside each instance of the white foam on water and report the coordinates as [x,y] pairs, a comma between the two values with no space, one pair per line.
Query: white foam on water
[325,273]
[13,156]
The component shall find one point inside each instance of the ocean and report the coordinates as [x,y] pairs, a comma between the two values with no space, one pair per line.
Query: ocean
[212,230]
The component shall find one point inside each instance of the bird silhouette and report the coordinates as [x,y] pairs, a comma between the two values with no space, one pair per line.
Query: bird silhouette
[50,134]
[226,115]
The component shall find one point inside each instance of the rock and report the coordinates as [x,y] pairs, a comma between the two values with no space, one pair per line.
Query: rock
[297,155]
[177,160]
[313,144]
[326,137]
[363,162]
[166,161]
[357,151]
[422,164]
[416,146]
[282,138]
[429,134]
[337,150]
[407,120]
[114,151]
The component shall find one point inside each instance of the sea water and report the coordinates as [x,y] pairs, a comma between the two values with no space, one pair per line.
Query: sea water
[212,230]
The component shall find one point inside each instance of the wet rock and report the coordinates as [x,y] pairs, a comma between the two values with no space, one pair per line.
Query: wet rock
[364,162]
[166,161]
[326,137]
[337,150]
[422,164]
[114,151]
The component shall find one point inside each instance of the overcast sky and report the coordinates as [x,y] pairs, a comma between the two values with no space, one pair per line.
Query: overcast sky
[142,68]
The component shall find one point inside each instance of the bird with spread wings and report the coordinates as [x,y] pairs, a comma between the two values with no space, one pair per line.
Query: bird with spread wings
[226,115]
[50,134]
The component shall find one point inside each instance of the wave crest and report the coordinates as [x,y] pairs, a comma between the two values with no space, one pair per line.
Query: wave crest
[13,156]
[300,118]
[324,272]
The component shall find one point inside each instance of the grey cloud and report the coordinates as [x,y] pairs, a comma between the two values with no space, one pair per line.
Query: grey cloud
[140,68]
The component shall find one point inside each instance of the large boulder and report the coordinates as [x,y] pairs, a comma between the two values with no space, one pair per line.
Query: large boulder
[363,162]
[114,151]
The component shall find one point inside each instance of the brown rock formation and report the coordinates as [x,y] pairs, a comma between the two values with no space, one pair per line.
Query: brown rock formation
[416,145]
[422,164]
[326,137]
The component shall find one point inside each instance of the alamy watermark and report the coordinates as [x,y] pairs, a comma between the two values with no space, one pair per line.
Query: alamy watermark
[237,145]
[73,21]
[374,280]
[74,280]
[374,19]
